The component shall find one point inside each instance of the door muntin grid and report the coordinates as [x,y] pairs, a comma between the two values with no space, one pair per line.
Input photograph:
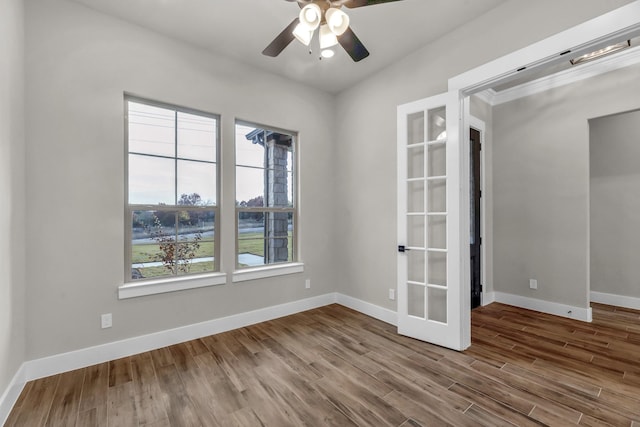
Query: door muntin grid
[426,181]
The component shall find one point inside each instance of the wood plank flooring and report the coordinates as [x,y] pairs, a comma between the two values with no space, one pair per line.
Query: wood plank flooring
[335,367]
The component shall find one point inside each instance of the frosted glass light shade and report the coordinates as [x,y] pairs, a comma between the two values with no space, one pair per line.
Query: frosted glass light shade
[337,20]
[310,16]
[327,53]
[327,37]
[303,35]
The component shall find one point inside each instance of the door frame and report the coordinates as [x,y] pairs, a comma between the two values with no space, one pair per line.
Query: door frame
[620,24]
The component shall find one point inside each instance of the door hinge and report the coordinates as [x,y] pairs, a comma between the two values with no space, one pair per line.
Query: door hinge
[480,193]
[481,287]
[480,240]
[480,146]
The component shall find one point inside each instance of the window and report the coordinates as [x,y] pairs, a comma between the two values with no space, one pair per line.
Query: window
[172,190]
[265,196]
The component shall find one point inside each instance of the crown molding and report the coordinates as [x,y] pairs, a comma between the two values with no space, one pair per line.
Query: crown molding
[574,74]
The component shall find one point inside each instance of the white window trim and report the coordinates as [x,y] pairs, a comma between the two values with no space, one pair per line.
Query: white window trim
[172,284]
[135,288]
[263,272]
[270,270]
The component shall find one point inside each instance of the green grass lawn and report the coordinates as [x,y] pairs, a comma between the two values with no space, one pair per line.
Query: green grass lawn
[252,243]
[198,267]
[150,253]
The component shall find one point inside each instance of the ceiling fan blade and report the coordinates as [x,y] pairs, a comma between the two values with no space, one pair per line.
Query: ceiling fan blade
[359,3]
[352,44]
[283,40]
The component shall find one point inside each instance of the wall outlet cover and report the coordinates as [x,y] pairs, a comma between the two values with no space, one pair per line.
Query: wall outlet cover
[106,320]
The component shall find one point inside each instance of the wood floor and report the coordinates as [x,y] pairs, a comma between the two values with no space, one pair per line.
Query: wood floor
[335,367]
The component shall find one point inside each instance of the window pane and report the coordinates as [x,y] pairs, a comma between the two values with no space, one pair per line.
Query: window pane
[437,124]
[290,159]
[151,180]
[152,244]
[437,268]
[249,152]
[437,160]
[151,130]
[437,305]
[279,191]
[415,128]
[416,266]
[195,257]
[249,187]
[197,137]
[196,179]
[251,252]
[416,300]
[415,162]
[196,225]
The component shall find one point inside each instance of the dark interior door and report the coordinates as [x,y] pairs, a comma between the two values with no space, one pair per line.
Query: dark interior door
[475,238]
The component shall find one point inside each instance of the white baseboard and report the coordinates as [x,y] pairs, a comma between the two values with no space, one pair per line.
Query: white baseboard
[488,298]
[11,394]
[617,300]
[372,310]
[77,359]
[563,310]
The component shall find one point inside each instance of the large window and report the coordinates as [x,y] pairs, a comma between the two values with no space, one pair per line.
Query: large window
[265,196]
[172,190]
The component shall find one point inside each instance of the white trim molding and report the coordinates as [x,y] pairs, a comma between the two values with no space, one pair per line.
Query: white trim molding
[160,286]
[56,364]
[488,298]
[371,310]
[616,300]
[11,394]
[557,309]
[77,359]
[267,271]
[571,75]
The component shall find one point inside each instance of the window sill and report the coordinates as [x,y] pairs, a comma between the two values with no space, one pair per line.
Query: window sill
[161,286]
[267,271]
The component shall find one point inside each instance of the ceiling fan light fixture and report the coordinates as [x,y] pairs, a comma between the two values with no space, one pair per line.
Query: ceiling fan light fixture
[310,16]
[327,53]
[327,37]
[303,35]
[337,20]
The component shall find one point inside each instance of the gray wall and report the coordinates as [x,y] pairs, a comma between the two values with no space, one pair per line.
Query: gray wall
[78,64]
[366,126]
[541,185]
[614,150]
[12,201]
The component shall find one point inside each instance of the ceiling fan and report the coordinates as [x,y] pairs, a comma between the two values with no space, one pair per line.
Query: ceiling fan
[333,23]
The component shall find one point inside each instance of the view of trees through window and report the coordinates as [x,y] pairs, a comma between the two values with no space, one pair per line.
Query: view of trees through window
[172,190]
[265,204]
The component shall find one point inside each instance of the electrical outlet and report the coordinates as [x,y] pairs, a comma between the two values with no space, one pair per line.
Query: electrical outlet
[392,294]
[533,284]
[106,320]
[307,284]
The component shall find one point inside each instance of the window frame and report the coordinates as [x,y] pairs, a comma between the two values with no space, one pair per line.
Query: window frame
[137,287]
[242,273]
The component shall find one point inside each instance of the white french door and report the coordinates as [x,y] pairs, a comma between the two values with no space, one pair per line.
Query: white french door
[430,264]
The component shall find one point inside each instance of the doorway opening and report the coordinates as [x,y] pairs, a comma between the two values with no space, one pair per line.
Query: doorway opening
[475,236]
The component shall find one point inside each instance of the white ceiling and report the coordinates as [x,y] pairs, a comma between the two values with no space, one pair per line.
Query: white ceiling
[241,29]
